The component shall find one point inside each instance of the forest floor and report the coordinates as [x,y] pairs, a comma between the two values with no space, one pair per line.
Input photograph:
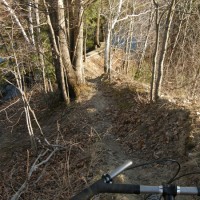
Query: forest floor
[111,123]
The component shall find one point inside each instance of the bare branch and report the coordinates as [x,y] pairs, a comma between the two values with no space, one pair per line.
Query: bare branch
[133,15]
[11,11]
[33,168]
[4,109]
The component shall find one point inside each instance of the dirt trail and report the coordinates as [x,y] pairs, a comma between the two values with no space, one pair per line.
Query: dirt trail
[111,151]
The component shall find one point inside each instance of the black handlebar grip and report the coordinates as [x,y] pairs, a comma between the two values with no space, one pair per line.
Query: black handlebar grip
[89,192]
[101,187]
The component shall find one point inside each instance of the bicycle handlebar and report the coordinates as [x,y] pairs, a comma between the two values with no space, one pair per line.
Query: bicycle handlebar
[101,187]
[105,185]
[120,169]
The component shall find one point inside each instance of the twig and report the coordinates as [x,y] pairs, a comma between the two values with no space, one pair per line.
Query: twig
[93,129]
[33,168]
[9,105]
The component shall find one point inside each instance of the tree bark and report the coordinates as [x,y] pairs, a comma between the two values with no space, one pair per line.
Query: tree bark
[107,60]
[158,62]
[145,44]
[30,19]
[155,55]
[97,41]
[65,57]
[12,13]
[64,70]
[79,42]
[39,46]
[164,49]
[111,22]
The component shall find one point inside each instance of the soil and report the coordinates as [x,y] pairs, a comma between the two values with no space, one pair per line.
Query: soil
[111,123]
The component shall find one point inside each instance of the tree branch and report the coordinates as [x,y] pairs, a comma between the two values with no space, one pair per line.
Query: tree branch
[11,11]
[33,168]
[133,15]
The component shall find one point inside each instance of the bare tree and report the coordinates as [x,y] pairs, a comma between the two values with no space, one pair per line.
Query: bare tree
[30,20]
[159,57]
[66,77]
[12,13]
[97,33]
[78,51]
[151,16]
[39,46]
[111,18]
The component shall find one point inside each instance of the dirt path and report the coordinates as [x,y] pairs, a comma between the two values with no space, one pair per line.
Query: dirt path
[111,151]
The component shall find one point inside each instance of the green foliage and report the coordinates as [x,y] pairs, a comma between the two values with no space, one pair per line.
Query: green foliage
[90,17]
[91,14]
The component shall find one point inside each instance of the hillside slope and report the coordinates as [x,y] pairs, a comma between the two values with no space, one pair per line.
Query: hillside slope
[111,123]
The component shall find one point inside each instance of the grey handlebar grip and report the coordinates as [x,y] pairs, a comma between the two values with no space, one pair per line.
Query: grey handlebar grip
[120,169]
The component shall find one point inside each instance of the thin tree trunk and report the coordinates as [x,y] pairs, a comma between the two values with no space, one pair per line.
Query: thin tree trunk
[19,81]
[187,5]
[107,52]
[72,79]
[128,47]
[194,85]
[53,35]
[182,45]
[39,45]
[12,12]
[145,44]
[164,49]
[85,46]
[110,26]
[79,43]
[30,19]
[71,29]
[97,42]
[54,47]
[155,55]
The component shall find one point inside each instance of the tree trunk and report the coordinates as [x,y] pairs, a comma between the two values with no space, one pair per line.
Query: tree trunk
[39,46]
[12,13]
[71,29]
[85,46]
[128,48]
[158,62]
[107,60]
[30,20]
[51,21]
[155,56]
[111,22]
[65,57]
[145,44]
[64,70]
[164,49]
[79,42]
[97,42]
